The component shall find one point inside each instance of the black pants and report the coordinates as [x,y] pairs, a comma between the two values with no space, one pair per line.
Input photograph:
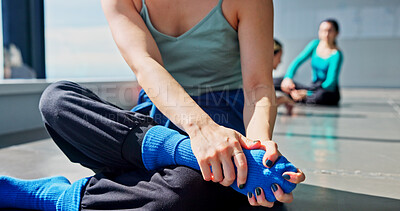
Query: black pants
[320,95]
[107,139]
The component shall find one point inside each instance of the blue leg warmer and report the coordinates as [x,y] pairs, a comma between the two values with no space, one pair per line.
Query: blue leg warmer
[163,147]
[53,193]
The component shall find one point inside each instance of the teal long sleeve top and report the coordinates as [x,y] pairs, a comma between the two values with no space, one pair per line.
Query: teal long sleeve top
[324,69]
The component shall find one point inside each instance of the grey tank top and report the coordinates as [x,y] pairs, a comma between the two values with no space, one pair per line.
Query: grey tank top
[206,58]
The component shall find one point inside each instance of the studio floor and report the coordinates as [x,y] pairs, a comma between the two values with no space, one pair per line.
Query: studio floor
[350,154]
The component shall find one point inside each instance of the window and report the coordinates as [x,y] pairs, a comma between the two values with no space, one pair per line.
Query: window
[78,42]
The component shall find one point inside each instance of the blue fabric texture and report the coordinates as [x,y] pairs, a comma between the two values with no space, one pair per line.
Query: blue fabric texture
[224,107]
[53,193]
[163,146]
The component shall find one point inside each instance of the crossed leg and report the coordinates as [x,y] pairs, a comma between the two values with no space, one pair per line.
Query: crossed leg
[107,139]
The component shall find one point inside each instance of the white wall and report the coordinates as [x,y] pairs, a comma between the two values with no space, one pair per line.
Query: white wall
[369,38]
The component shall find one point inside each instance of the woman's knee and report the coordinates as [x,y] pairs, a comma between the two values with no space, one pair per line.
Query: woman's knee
[53,98]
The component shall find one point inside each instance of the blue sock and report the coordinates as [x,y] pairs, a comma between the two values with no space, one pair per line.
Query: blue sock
[53,193]
[163,147]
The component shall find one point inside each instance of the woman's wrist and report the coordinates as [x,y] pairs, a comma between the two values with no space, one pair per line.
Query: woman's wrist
[200,123]
[287,78]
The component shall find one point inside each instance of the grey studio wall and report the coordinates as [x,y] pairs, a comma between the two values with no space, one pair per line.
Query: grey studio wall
[370,38]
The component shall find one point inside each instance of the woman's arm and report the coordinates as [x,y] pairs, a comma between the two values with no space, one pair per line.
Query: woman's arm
[333,72]
[301,58]
[255,31]
[213,145]
[142,55]
[287,84]
[256,50]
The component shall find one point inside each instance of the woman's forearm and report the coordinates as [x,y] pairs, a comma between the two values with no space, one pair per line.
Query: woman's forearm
[170,97]
[141,53]
[260,113]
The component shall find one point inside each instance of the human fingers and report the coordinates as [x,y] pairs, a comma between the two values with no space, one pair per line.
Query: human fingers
[287,85]
[216,170]
[271,153]
[241,167]
[294,177]
[285,89]
[280,195]
[228,169]
[292,85]
[295,95]
[260,196]
[205,170]
[252,199]
[240,159]
[247,143]
[284,85]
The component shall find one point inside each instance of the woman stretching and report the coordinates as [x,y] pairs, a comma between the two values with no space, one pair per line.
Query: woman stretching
[207,94]
[326,61]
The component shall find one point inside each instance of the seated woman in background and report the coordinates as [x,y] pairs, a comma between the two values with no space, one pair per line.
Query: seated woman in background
[326,61]
[281,99]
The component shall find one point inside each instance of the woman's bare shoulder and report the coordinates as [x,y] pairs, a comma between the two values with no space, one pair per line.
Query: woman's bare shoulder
[254,9]
[229,8]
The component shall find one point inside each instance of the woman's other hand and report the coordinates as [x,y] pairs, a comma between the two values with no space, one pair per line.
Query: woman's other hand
[214,146]
[271,152]
[287,85]
[298,95]
[259,199]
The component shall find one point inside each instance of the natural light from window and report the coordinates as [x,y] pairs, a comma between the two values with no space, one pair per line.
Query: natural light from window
[78,42]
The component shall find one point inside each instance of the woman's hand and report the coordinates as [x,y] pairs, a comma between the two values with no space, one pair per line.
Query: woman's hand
[259,199]
[287,85]
[214,146]
[271,152]
[298,95]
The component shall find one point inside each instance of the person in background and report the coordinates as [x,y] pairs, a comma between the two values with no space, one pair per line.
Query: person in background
[281,99]
[326,62]
[14,66]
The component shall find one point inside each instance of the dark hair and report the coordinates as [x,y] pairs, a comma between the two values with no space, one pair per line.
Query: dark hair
[277,46]
[334,23]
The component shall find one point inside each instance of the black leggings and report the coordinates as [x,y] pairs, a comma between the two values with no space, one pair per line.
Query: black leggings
[320,95]
[107,139]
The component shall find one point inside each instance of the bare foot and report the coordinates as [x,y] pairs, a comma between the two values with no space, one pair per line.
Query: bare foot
[299,95]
